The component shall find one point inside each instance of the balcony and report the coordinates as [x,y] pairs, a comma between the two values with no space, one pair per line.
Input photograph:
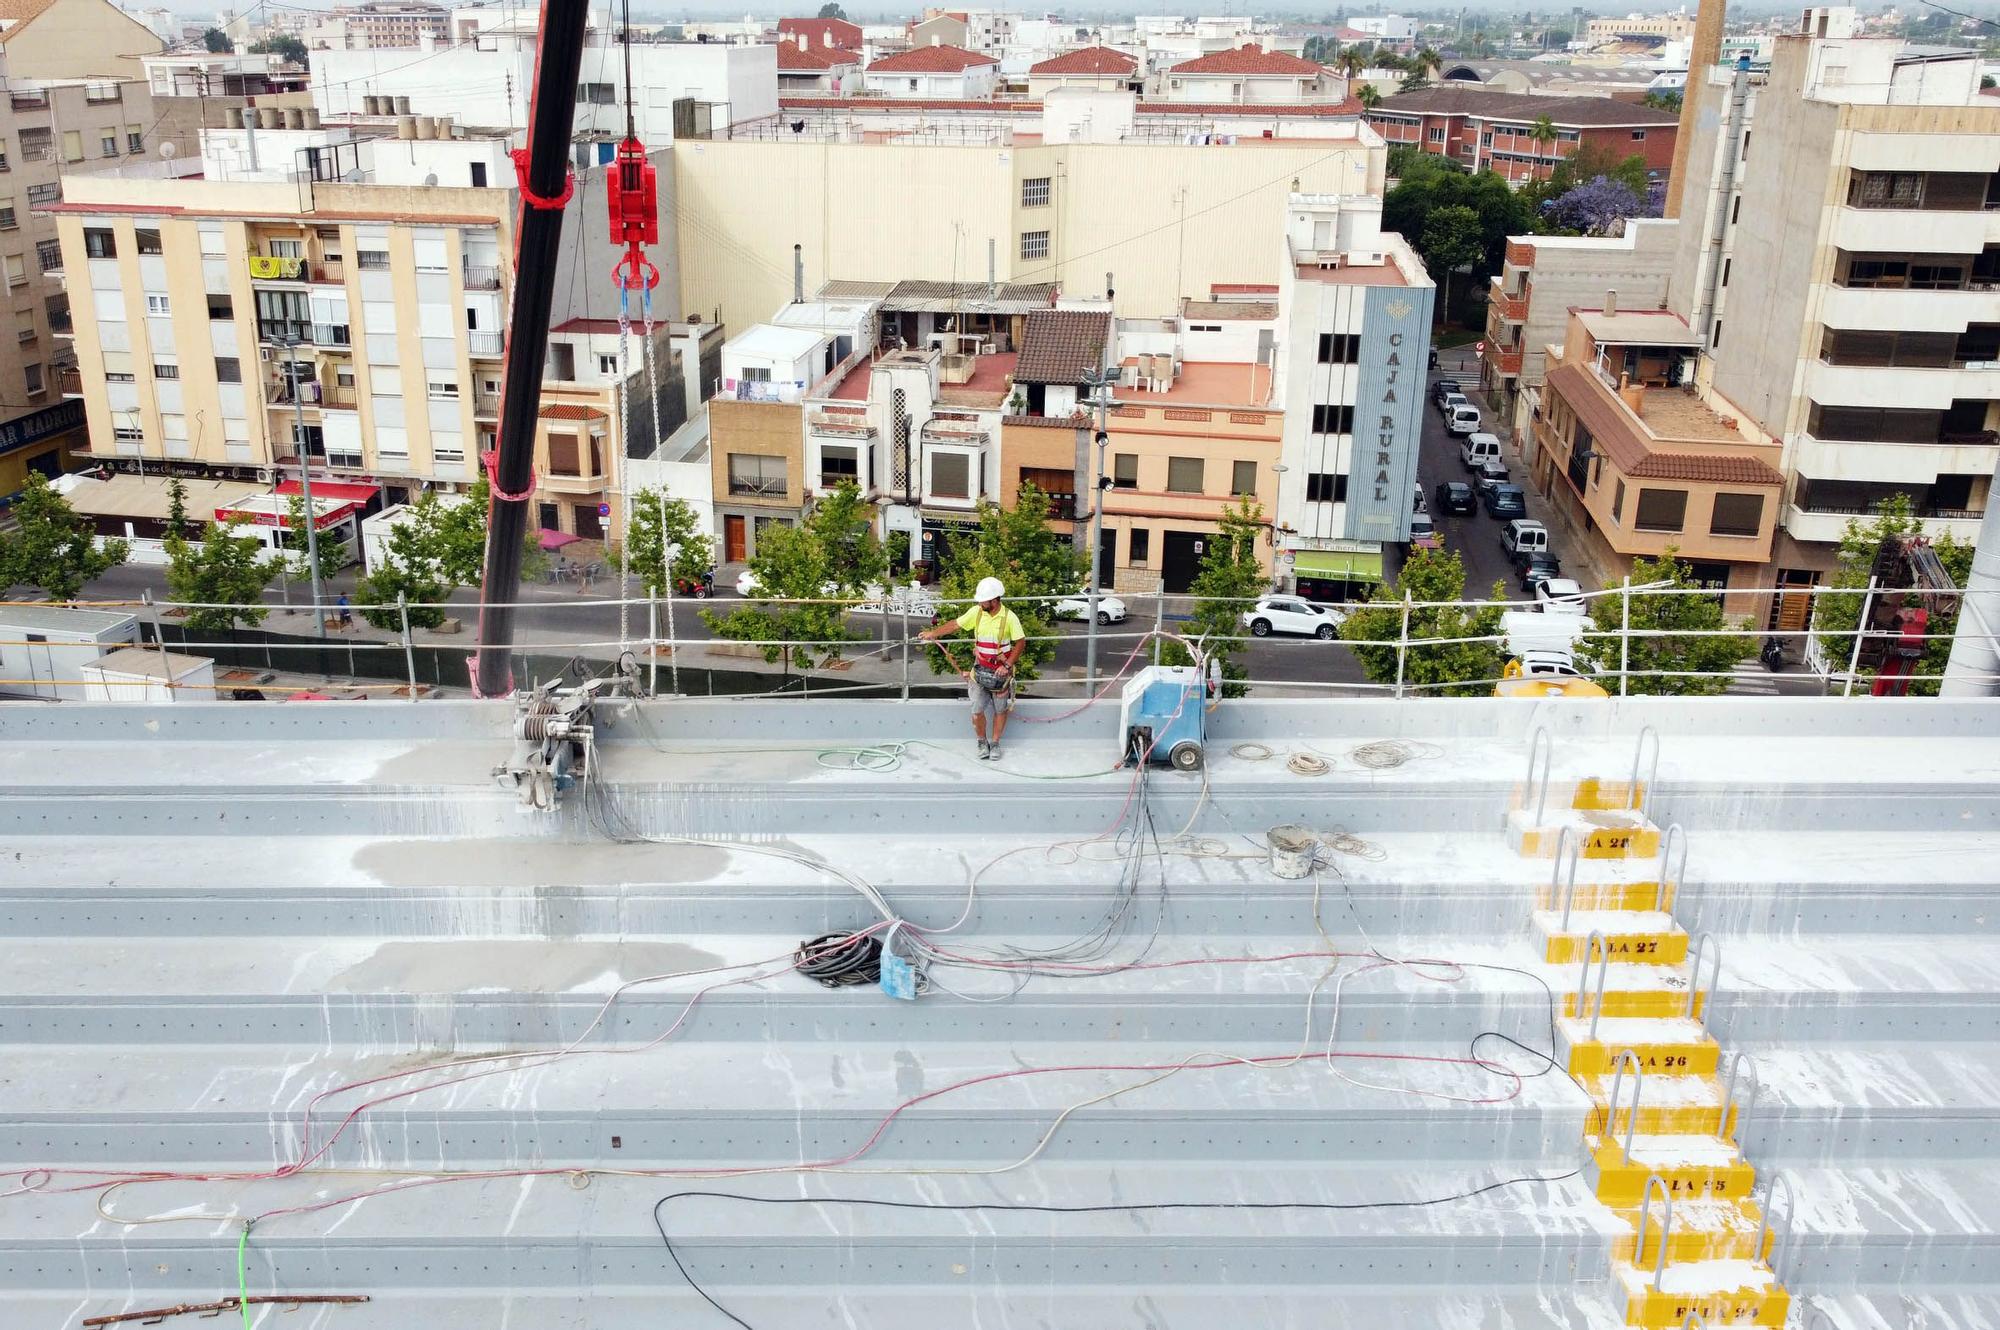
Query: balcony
[1512,309]
[1503,360]
[69,381]
[1901,386]
[1892,309]
[844,427]
[481,277]
[1893,463]
[486,345]
[336,397]
[29,99]
[284,331]
[62,323]
[959,434]
[264,268]
[329,274]
[1828,525]
[1914,230]
[331,335]
[486,404]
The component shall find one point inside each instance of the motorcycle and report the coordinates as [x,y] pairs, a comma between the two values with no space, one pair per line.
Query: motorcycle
[1772,654]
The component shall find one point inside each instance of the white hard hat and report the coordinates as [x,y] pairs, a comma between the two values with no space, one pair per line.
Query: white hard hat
[989,588]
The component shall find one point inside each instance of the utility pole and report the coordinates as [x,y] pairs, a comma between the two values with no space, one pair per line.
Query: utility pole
[291,346]
[1100,385]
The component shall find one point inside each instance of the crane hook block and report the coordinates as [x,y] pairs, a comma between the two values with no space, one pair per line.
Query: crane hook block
[633,195]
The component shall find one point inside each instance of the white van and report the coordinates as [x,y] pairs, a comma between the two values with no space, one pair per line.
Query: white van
[1478,449]
[1462,419]
[1525,536]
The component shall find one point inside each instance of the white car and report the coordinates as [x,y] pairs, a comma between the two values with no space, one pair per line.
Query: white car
[1290,614]
[1110,609]
[1560,595]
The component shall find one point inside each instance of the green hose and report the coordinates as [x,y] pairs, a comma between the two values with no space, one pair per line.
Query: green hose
[243,1276]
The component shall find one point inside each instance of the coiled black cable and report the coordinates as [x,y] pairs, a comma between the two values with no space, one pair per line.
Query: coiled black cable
[840,960]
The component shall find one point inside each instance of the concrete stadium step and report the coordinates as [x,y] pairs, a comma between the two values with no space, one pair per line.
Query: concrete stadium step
[1955,1309]
[1067,1307]
[712,1102]
[1421,1228]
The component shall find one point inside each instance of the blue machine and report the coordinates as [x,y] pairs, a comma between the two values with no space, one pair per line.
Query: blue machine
[1163,717]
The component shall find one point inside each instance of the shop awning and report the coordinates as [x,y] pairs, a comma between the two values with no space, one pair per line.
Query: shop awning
[1347,565]
[344,491]
[555,540]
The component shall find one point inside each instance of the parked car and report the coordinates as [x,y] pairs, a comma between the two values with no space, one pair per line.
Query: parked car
[1560,595]
[1524,536]
[1423,533]
[1447,402]
[1462,419]
[1537,569]
[1478,448]
[1110,609]
[1289,614]
[1486,475]
[1444,388]
[1506,501]
[1454,496]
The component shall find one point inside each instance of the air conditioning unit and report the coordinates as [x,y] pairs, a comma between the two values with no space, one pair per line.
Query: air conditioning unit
[266,476]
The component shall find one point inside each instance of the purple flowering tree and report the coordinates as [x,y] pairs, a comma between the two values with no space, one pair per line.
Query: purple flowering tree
[1598,207]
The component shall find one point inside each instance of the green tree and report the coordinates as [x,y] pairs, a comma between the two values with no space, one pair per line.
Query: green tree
[51,547]
[1415,81]
[1229,582]
[1450,241]
[1664,99]
[650,511]
[457,532]
[1431,182]
[1710,658]
[225,572]
[1452,669]
[410,567]
[289,49]
[1367,95]
[1016,546]
[177,509]
[832,556]
[333,554]
[216,41]
[1542,132]
[832,11]
[1836,613]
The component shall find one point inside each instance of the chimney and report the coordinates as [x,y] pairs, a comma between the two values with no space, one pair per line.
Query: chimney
[936,40]
[1610,302]
[1632,394]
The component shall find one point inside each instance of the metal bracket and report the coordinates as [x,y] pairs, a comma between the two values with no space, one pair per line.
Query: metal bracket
[1611,1100]
[1764,1225]
[1738,1065]
[1666,1227]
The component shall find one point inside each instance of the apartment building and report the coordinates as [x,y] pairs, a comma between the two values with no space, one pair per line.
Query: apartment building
[1675,27]
[1353,333]
[935,72]
[74,39]
[1487,130]
[822,32]
[1543,278]
[50,131]
[1250,73]
[379,27]
[1096,67]
[240,328]
[1839,260]
[1645,458]
[808,70]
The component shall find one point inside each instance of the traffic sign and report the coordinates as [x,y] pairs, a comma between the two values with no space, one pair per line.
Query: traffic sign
[1480,347]
[604,510]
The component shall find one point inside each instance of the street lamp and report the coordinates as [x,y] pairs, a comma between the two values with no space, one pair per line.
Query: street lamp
[289,345]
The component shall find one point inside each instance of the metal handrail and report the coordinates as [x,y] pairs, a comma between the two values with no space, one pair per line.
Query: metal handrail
[1737,1065]
[1666,1227]
[1764,1224]
[1635,800]
[1676,836]
[1693,1321]
[1566,842]
[1541,744]
[1611,1101]
[1583,977]
[1702,942]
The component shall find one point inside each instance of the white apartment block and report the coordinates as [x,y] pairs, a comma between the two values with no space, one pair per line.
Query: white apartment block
[377,27]
[1840,253]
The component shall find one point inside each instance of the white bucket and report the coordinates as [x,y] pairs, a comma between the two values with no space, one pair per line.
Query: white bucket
[1292,850]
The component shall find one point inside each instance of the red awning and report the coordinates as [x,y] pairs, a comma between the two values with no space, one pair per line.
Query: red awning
[332,489]
[555,540]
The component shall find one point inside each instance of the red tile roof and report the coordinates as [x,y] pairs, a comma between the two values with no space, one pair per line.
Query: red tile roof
[1251,59]
[823,31]
[1706,468]
[1347,110]
[1087,60]
[932,60]
[792,57]
[571,411]
[1619,437]
[1061,345]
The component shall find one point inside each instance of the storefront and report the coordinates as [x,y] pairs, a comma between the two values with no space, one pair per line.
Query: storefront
[1348,573]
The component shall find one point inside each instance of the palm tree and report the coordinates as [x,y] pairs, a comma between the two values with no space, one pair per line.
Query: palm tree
[1543,131]
[1370,98]
[1352,62]
[1429,61]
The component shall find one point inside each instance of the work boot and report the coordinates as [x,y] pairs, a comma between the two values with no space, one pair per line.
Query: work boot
[985,750]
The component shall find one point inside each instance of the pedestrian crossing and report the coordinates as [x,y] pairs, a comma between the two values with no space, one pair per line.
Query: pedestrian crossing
[1753,680]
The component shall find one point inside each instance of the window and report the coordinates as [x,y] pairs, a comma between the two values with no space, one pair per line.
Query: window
[8,221]
[1326,487]
[72,145]
[128,434]
[371,258]
[1661,510]
[3,154]
[1715,335]
[597,94]
[107,143]
[1243,478]
[755,374]
[951,475]
[1618,503]
[1735,209]
[1034,244]
[146,241]
[1035,192]
[157,305]
[1736,515]
[440,390]
[50,192]
[1437,134]
[24,325]
[166,369]
[285,249]
[1142,545]
[17,270]
[1744,156]
[564,456]
[1638,135]
[1339,348]
[135,138]
[479,175]
[32,374]
[837,464]
[100,242]
[1125,470]
[1184,475]
[221,307]
[757,475]
[1333,420]
[1727,264]
[607,365]
[48,255]
[228,369]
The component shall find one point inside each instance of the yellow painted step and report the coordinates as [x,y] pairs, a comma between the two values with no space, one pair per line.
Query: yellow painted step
[1600,835]
[1703,1231]
[1720,1292]
[1667,1057]
[1592,793]
[1696,1167]
[1669,1105]
[1643,937]
[1606,896]
[1655,1002]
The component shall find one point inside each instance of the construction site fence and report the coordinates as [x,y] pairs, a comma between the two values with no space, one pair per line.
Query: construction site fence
[413,660]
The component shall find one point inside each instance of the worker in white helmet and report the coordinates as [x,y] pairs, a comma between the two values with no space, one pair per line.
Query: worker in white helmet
[997,643]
